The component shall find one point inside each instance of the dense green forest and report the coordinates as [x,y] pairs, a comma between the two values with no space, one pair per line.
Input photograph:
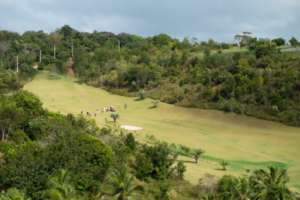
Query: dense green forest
[50,156]
[259,79]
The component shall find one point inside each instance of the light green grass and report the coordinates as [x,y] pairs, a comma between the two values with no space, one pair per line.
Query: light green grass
[246,143]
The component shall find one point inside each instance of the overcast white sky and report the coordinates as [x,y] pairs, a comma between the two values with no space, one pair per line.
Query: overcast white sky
[204,19]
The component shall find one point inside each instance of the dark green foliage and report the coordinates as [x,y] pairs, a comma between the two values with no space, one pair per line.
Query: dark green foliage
[64,142]
[84,156]
[13,194]
[123,185]
[180,170]
[270,184]
[141,95]
[59,186]
[115,116]
[262,184]
[197,154]
[19,137]
[8,81]
[154,161]
[18,113]
[11,117]
[29,103]
[294,42]
[164,188]
[33,173]
[143,166]
[130,142]
[279,41]
[224,165]
[232,188]
[262,48]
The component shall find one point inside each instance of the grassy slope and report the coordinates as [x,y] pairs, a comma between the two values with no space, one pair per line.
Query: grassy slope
[245,142]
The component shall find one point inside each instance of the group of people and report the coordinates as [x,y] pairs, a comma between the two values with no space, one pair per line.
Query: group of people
[109,108]
[104,109]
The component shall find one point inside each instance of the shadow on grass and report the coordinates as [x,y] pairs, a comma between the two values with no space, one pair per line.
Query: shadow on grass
[79,81]
[220,169]
[185,160]
[152,107]
[247,165]
[138,99]
[53,76]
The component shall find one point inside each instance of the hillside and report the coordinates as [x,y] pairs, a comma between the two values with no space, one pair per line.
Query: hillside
[258,78]
[246,143]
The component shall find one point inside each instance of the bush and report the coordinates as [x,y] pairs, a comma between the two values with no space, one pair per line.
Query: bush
[155,103]
[180,169]
[231,105]
[141,94]
[224,165]
[115,116]
[227,188]
[13,194]
[19,137]
[85,157]
[130,142]
[154,161]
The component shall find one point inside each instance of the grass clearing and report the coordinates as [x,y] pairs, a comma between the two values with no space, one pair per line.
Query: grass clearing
[245,143]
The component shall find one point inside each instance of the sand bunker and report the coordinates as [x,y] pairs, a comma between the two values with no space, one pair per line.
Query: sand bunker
[131,128]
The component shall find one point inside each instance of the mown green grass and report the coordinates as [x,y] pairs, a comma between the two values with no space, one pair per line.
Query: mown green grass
[246,143]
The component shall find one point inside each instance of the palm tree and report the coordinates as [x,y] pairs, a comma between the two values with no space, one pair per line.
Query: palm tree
[270,184]
[55,39]
[115,116]
[124,185]
[242,189]
[13,194]
[232,188]
[197,154]
[59,187]
[224,165]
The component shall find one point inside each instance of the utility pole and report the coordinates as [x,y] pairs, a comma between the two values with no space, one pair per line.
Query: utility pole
[54,51]
[17,59]
[72,49]
[119,46]
[40,56]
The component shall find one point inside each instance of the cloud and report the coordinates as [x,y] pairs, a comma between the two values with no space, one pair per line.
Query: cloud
[204,19]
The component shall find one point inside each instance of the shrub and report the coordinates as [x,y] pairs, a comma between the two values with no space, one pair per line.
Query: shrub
[141,94]
[154,161]
[115,116]
[180,169]
[86,158]
[224,165]
[155,103]
[130,141]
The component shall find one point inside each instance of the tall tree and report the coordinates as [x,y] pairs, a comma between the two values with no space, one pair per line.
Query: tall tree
[270,184]
[55,39]
[10,117]
[124,185]
[60,187]
[294,42]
